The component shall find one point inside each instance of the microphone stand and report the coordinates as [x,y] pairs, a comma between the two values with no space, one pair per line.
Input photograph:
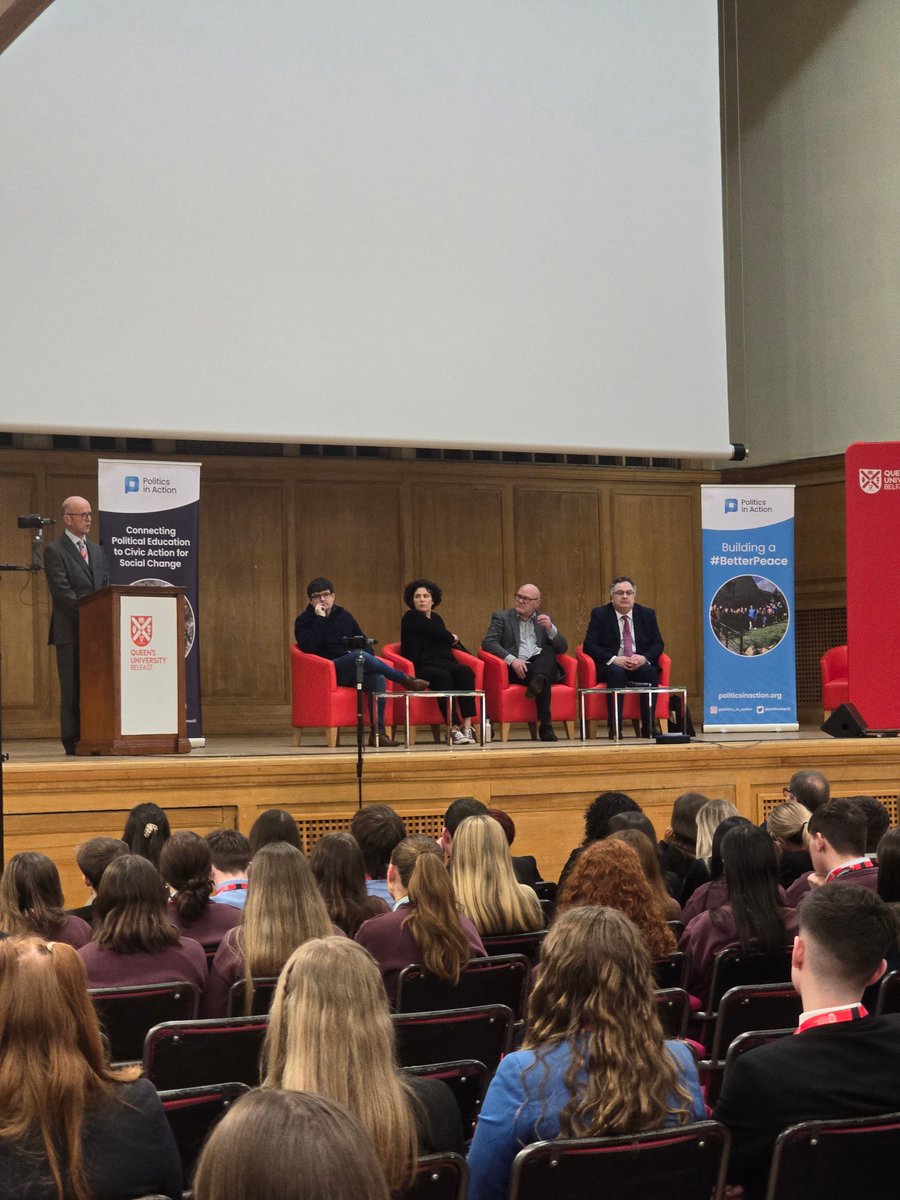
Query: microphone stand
[359,645]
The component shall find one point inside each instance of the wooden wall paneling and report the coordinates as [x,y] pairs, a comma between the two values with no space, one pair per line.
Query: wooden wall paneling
[458,542]
[820,538]
[24,613]
[351,532]
[557,547]
[658,537]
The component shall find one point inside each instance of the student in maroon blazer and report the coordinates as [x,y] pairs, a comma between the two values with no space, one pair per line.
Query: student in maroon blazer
[135,941]
[31,901]
[185,864]
[425,926]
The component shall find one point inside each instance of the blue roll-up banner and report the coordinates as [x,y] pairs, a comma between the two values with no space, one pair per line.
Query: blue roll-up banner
[150,518]
[749,665]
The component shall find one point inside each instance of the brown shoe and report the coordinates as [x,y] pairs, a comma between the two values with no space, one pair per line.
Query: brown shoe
[415,685]
[383,739]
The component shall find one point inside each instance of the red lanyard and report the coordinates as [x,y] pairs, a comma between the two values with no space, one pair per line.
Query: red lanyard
[854,1013]
[231,887]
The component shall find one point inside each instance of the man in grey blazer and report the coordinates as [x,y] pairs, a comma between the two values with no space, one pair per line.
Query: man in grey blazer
[74,567]
[528,642]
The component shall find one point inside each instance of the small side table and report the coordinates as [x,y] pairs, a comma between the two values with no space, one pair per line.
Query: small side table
[406,697]
[624,691]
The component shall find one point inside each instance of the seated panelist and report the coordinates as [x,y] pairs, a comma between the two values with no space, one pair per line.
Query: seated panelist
[324,629]
[624,641]
[428,644]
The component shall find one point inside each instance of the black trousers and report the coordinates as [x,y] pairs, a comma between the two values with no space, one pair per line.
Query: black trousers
[543,663]
[69,691]
[455,677]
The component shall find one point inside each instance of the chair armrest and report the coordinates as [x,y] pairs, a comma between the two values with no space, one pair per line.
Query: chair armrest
[587,669]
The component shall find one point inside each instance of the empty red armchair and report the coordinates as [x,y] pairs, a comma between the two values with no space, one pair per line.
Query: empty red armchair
[318,703]
[507,702]
[595,706]
[428,712]
[835,679]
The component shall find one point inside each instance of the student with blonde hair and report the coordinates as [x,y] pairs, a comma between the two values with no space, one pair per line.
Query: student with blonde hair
[331,1033]
[274,1145]
[485,883]
[709,818]
[425,925]
[283,910]
[594,1061]
[71,1128]
[786,826]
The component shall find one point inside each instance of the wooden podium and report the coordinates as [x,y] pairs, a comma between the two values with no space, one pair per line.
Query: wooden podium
[131,656]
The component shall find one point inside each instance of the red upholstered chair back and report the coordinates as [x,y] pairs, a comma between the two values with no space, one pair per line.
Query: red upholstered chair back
[508,704]
[835,679]
[428,712]
[595,706]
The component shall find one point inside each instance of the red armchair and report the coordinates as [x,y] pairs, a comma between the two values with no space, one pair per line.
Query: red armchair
[507,702]
[835,679]
[595,705]
[318,703]
[428,712]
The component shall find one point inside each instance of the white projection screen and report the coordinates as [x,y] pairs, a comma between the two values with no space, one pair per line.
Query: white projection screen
[458,223]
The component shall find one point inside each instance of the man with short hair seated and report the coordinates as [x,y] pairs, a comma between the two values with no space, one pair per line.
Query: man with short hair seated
[843,1062]
[230,853]
[836,835]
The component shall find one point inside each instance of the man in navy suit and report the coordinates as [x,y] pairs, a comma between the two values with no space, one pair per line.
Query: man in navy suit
[74,567]
[624,641]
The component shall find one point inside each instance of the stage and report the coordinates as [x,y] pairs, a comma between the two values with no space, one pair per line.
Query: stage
[52,803]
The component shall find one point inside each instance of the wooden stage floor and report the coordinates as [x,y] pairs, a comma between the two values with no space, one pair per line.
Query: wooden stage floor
[52,803]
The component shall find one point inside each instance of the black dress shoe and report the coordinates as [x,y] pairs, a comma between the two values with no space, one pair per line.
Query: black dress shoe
[69,745]
[546,734]
[535,686]
[383,739]
[415,685]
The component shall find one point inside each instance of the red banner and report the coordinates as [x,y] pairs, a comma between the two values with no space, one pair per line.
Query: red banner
[873,580]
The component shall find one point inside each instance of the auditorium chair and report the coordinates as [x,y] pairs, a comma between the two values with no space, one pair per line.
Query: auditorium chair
[595,709]
[318,703]
[507,703]
[466,1079]
[428,712]
[737,968]
[528,944]
[683,1163]
[484,1033]
[889,993]
[263,994]
[818,1160]
[669,971]
[127,1013]
[673,1007]
[750,1009]
[439,1177]
[502,980]
[835,679]
[192,1113]
[183,1054]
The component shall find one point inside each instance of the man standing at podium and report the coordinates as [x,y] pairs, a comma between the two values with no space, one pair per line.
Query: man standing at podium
[74,567]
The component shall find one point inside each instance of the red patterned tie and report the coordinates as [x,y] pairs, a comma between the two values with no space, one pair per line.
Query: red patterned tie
[83,548]
[627,639]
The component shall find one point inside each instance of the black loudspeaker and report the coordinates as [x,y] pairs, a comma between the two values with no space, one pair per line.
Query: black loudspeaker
[845,721]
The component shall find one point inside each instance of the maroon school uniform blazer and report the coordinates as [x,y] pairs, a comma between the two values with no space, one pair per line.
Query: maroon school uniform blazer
[106,968]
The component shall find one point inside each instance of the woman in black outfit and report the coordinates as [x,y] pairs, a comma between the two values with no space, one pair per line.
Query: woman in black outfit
[428,644]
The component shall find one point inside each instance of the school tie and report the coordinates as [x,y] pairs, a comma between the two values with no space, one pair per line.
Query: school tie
[627,639]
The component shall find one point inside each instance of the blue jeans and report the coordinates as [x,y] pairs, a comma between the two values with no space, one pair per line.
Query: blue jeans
[375,672]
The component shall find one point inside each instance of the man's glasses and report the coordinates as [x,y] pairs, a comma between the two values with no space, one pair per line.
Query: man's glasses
[621,593]
[320,596]
[527,599]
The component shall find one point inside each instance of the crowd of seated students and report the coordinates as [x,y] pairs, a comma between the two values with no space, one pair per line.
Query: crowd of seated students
[337,932]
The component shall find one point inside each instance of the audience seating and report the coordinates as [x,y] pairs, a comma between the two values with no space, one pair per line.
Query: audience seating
[183,1054]
[126,1013]
[508,704]
[669,972]
[673,1005]
[595,709]
[677,927]
[192,1112]
[501,980]
[546,889]
[263,995]
[735,967]
[684,1163]
[429,712]
[835,679]
[752,1041]
[318,703]
[439,1177]
[484,1033]
[889,993]
[467,1080]
[822,1160]
[528,944]
[753,1008]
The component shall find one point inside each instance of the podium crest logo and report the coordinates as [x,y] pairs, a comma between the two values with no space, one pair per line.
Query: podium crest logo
[142,630]
[869,481]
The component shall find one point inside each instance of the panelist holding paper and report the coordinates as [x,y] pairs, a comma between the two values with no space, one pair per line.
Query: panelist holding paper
[74,567]
[624,641]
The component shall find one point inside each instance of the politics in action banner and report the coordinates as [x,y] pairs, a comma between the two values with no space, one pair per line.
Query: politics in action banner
[749,667]
[150,517]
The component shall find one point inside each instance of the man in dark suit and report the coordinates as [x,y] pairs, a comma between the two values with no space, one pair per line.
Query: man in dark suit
[842,1063]
[528,642]
[624,641]
[74,567]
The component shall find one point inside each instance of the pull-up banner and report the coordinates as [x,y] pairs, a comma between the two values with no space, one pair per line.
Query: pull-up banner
[749,667]
[150,517]
[872,480]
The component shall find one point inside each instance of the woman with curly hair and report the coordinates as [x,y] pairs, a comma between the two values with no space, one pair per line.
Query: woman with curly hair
[485,884]
[31,901]
[331,1033]
[70,1126]
[425,926]
[428,644]
[284,909]
[340,872]
[610,873]
[597,817]
[594,1061]
[186,865]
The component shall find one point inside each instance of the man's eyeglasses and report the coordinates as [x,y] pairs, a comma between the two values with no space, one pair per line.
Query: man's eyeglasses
[527,599]
[316,596]
[621,593]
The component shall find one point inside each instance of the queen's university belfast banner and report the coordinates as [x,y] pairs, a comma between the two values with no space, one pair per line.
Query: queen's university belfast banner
[150,517]
[749,669]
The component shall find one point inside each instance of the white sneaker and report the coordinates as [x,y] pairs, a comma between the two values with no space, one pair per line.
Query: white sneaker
[469,735]
[458,738]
